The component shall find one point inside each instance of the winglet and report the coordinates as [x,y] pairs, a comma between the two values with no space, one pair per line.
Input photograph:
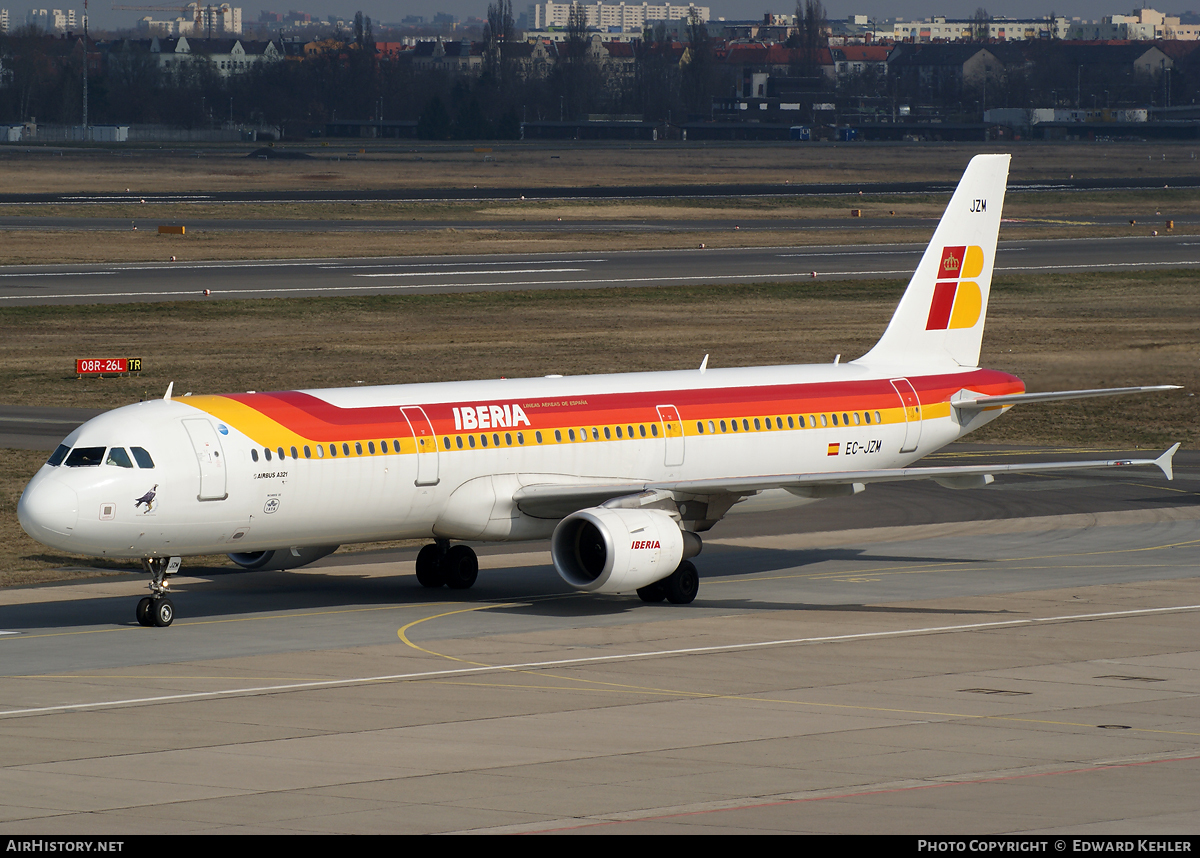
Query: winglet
[1164,462]
[167,395]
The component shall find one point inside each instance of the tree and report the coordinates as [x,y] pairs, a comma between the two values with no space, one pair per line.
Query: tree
[980,25]
[810,32]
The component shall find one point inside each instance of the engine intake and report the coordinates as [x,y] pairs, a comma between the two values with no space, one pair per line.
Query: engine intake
[281,558]
[604,550]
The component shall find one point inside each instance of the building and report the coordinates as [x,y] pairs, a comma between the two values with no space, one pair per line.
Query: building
[197,21]
[226,56]
[48,20]
[943,29]
[612,17]
[1142,25]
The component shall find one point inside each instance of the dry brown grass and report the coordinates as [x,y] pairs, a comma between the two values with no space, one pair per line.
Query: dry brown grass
[534,165]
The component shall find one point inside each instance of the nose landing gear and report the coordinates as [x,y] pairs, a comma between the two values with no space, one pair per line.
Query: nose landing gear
[157,609]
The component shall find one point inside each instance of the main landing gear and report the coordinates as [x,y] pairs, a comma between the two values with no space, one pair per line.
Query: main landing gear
[157,609]
[679,588]
[439,564]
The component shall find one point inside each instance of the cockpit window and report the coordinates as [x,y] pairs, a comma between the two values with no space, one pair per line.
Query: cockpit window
[85,457]
[141,457]
[117,456]
[58,455]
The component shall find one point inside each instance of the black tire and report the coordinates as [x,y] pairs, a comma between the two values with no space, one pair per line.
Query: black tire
[162,612]
[462,567]
[430,568]
[652,593]
[683,585]
[143,612]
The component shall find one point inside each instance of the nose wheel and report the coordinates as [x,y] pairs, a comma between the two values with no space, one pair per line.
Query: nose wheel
[157,609]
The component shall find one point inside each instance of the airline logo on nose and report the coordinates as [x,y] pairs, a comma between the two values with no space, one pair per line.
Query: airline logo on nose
[957,302]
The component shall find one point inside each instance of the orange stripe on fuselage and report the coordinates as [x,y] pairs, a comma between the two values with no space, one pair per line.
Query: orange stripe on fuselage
[290,417]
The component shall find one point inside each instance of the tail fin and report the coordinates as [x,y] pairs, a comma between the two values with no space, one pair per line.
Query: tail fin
[940,318]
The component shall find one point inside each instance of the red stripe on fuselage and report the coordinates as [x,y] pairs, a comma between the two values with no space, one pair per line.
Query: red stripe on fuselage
[314,418]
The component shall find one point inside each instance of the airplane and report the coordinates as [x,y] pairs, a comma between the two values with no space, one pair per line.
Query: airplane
[621,472]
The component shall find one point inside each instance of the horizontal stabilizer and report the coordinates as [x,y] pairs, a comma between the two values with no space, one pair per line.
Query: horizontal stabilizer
[981,402]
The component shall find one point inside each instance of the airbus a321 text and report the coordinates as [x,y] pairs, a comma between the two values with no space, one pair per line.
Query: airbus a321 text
[621,472]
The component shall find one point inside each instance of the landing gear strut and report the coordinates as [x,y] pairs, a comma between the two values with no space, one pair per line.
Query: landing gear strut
[157,609]
[439,564]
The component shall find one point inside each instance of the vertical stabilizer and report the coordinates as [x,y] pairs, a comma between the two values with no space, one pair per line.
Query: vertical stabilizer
[940,318]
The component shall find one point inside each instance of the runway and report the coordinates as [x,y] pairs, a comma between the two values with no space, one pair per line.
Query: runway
[1036,673]
[141,282]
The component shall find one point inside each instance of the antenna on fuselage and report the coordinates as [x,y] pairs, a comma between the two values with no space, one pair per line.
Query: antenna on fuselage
[167,395]
[704,364]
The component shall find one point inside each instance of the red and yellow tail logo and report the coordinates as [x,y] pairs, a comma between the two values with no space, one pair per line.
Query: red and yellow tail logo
[957,302]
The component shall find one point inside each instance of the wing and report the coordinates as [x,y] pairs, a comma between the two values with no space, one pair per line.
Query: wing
[558,501]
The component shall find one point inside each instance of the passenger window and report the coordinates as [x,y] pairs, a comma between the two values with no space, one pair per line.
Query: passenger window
[253,455]
[779,422]
[85,457]
[745,424]
[867,415]
[722,425]
[711,427]
[471,441]
[618,431]
[756,425]
[700,427]
[824,420]
[595,434]
[733,425]
[507,439]
[358,448]
[642,430]
[396,445]
[446,442]
[538,436]
[307,452]
[483,440]
[281,456]
[58,455]
[845,419]
[835,422]
[320,452]
[117,456]
[371,447]
[654,429]
[333,450]
[801,419]
[629,429]
[521,438]
[294,456]
[877,418]
[607,434]
[458,441]
[496,439]
[857,419]
[791,422]
[571,434]
[345,449]
[267,453]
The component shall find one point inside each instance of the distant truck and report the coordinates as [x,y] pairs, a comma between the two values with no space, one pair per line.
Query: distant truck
[846,135]
[800,132]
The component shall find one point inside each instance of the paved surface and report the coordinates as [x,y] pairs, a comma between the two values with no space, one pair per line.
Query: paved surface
[1033,674]
[135,282]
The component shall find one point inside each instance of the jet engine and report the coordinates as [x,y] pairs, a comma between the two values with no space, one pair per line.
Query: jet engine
[606,550]
[281,558]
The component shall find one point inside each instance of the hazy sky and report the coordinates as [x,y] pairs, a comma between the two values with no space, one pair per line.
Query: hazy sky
[102,15]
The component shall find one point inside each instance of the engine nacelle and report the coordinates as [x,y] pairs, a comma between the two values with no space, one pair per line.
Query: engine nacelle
[604,550]
[281,558]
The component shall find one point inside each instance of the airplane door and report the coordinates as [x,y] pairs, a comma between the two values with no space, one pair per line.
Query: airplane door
[672,428]
[426,441]
[209,457]
[912,413]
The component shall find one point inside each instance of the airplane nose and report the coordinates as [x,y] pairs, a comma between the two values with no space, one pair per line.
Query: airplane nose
[48,509]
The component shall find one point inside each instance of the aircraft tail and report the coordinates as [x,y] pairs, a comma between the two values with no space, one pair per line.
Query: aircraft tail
[940,317]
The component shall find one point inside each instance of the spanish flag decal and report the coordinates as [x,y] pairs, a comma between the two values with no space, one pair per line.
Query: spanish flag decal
[957,303]
[833,450]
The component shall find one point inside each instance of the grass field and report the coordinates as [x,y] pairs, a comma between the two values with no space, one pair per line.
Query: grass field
[340,165]
[1054,331]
